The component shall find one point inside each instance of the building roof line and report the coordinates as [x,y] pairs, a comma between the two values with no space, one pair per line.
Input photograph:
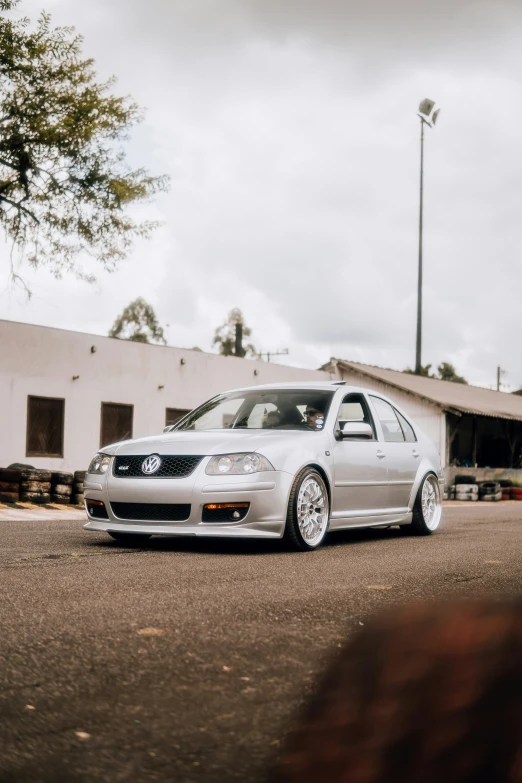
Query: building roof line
[482,402]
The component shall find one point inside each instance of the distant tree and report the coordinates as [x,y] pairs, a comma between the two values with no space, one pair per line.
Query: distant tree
[64,184]
[425,371]
[447,372]
[225,335]
[138,323]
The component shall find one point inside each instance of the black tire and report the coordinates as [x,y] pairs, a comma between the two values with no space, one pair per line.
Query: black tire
[33,497]
[9,497]
[419,525]
[292,536]
[9,486]
[65,490]
[77,500]
[6,474]
[57,477]
[36,487]
[79,476]
[61,500]
[35,475]
[130,539]
[78,488]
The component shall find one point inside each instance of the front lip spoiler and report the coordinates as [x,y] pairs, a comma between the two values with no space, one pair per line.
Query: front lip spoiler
[201,530]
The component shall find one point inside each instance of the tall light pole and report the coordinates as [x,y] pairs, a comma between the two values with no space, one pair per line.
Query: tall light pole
[427,117]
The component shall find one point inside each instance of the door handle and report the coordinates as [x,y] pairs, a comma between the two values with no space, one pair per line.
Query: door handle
[415,453]
[381,454]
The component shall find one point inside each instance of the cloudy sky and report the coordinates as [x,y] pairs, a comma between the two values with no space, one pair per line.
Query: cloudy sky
[290,133]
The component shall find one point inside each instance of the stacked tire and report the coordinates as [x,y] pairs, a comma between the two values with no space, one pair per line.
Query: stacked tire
[9,485]
[61,488]
[468,492]
[516,493]
[35,486]
[490,491]
[77,495]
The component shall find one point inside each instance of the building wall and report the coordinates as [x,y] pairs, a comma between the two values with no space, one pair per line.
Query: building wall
[429,417]
[41,361]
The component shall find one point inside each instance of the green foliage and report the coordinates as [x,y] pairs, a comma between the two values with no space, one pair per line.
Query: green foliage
[445,372]
[425,371]
[225,335]
[138,323]
[65,187]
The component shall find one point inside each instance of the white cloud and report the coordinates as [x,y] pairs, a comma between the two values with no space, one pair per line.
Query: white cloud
[290,134]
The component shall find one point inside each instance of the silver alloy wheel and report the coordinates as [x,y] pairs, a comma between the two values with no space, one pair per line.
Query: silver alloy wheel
[431,503]
[312,510]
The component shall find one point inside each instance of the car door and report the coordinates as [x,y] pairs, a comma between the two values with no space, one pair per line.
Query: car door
[360,470]
[402,455]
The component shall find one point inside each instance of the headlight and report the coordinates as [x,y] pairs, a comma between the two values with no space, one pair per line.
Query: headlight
[237,464]
[100,464]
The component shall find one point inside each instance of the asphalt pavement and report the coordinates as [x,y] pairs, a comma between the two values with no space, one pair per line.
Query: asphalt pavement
[187,660]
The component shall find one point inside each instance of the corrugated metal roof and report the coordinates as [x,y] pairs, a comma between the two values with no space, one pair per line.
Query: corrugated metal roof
[449,396]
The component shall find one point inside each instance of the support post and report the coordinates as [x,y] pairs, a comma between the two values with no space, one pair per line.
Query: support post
[418,351]
[474,444]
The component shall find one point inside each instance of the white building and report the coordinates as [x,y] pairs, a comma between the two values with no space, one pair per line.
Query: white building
[472,427]
[64,394]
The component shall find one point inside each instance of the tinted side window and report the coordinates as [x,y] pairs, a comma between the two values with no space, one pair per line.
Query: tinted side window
[390,423]
[354,408]
[407,429]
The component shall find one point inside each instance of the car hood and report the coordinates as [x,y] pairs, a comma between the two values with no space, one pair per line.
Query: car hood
[209,442]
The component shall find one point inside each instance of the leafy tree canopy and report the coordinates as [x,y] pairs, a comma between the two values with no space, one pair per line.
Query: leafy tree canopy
[65,187]
[138,323]
[225,335]
[445,372]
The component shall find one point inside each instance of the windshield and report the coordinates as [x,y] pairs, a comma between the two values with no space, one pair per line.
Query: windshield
[283,409]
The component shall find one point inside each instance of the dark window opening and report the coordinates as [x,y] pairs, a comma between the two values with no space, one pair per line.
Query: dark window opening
[173,415]
[116,422]
[45,419]
[483,441]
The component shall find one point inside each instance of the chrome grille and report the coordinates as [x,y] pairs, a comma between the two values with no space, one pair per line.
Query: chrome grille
[177,466]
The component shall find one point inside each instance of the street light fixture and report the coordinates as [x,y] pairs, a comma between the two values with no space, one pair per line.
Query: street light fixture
[428,116]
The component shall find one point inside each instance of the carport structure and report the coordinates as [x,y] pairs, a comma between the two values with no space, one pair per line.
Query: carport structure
[471,426]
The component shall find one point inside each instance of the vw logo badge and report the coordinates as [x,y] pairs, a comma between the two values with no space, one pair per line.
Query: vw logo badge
[151,465]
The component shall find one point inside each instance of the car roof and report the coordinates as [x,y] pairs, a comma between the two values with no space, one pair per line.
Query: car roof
[332,386]
[304,385]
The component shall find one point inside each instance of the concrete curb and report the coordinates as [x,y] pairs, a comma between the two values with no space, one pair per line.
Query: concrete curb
[21,512]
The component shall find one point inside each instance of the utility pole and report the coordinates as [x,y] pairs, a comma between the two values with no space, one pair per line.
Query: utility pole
[500,373]
[238,348]
[427,117]
[268,354]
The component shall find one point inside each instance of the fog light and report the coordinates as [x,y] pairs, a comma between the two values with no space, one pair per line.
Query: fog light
[96,508]
[224,512]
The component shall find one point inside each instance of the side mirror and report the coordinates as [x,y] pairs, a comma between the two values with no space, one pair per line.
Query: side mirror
[355,429]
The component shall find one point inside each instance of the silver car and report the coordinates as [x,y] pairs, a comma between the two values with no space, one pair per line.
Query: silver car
[290,461]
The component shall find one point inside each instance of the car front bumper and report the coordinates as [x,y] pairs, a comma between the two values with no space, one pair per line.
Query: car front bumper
[267,493]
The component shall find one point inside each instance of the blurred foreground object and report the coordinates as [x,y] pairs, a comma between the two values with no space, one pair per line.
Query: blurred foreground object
[427,694]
